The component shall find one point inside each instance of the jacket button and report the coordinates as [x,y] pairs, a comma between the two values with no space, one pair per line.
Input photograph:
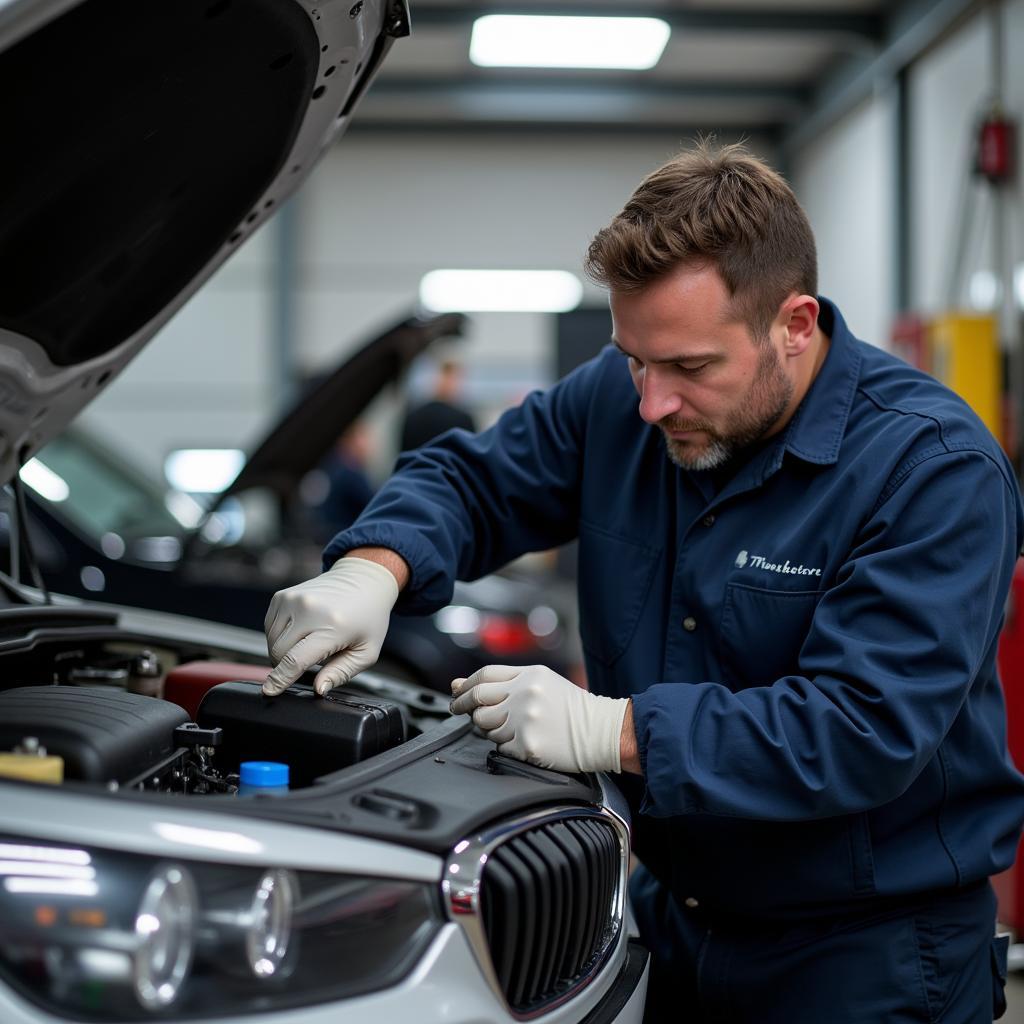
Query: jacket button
[689,623]
[709,520]
[691,902]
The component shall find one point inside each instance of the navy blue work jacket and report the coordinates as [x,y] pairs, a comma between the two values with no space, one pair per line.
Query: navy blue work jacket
[811,651]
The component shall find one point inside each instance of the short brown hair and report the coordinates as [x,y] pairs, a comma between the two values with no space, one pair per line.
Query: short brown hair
[713,205]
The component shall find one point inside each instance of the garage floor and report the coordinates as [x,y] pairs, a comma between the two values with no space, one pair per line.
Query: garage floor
[1015,999]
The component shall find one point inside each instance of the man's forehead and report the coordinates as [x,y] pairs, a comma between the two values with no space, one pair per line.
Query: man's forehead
[674,336]
[671,353]
[697,295]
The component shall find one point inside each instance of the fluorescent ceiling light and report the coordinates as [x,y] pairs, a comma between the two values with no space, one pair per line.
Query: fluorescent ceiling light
[551,41]
[519,291]
[44,481]
[203,470]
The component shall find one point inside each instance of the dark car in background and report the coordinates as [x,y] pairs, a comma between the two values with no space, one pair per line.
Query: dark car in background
[104,528]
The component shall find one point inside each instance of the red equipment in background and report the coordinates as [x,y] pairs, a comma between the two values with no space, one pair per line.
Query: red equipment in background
[996,139]
[909,341]
[1009,885]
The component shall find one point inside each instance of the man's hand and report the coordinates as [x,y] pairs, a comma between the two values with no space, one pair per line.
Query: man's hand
[338,619]
[535,715]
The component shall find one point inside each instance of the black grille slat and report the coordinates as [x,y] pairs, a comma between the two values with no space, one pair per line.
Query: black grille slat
[547,904]
[572,962]
[541,903]
[528,953]
[594,884]
[500,910]
[569,870]
[608,883]
[602,881]
[586,903]
[551,856]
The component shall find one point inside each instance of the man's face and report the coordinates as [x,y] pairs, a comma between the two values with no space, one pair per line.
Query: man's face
[701,376]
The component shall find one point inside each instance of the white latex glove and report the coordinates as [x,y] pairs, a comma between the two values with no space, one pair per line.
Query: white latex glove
[536,715]
[338,619]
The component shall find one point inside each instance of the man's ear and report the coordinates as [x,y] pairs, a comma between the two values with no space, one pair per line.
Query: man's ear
[799,316]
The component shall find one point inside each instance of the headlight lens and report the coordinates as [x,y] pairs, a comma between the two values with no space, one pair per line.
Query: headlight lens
[104,935]
[270,927]
[165,930]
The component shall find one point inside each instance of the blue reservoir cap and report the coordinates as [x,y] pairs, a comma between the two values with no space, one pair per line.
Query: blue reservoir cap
[263,773]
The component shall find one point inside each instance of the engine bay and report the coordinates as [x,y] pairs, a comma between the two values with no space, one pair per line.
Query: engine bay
[142,709]
[128,716]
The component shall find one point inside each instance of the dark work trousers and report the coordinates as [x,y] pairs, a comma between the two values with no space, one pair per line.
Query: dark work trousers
[927,961]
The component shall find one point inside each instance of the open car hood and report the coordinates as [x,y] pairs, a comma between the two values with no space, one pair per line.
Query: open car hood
[145,142]
[300,440]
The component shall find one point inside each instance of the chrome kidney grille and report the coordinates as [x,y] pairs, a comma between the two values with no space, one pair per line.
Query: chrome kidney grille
[541,902]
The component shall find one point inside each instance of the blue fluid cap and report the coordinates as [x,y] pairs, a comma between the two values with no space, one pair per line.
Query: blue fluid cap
[263,773]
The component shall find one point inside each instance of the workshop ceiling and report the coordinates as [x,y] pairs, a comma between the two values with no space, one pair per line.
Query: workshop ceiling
[738,66]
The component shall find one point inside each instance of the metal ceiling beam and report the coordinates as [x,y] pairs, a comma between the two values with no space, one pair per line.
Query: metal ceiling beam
[914,28]
[765,134]
[865,26]
[545,88]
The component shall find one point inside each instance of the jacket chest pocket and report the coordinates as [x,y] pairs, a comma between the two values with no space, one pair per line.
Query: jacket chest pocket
[762,632]
[615,576]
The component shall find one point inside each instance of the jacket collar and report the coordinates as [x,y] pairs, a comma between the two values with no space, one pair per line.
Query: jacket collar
[816,431]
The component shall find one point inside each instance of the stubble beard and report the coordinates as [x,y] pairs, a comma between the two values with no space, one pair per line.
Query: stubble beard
[760,409]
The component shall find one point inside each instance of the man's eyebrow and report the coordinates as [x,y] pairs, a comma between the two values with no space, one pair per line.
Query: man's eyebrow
[691,357]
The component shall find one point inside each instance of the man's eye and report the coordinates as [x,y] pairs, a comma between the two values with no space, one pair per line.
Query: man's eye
[692,371]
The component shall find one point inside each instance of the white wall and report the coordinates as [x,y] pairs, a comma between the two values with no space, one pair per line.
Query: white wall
[946,92]
[949,90]
[844,181]
[381,212]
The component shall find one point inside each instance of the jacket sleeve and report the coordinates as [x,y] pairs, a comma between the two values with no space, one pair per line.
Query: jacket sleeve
[893,651]
[468,503]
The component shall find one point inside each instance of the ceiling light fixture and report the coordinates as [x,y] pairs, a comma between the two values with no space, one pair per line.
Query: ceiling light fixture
[553,41]
[505,291]
[203,470]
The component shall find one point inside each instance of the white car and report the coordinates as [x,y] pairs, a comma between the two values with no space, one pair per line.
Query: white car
[404,872]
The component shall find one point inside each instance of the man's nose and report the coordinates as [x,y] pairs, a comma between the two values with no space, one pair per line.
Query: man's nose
[658,398]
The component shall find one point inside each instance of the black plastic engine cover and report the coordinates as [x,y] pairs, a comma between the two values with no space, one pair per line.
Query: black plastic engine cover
[102,733]
[313,735]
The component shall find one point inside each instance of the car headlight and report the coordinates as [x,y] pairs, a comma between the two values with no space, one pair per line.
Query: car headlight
[165,930]
[104,935]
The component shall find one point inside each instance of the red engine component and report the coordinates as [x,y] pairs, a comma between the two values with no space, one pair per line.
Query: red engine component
[187,684]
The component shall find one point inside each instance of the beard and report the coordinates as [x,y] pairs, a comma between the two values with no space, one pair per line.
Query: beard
[754,415]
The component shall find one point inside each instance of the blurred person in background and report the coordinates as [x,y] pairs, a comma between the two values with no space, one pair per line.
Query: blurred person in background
[440,413]
[343,482]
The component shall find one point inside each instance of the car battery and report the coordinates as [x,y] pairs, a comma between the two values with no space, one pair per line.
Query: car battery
[313,735]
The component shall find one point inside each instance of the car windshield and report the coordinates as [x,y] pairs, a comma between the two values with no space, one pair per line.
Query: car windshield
[100,494]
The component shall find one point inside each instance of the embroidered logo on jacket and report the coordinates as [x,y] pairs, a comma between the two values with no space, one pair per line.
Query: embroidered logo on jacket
[783,568]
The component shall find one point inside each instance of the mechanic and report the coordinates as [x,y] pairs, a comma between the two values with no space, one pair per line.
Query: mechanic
[793,565]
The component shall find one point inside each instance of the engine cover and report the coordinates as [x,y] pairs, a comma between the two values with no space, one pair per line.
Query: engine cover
[103,734]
